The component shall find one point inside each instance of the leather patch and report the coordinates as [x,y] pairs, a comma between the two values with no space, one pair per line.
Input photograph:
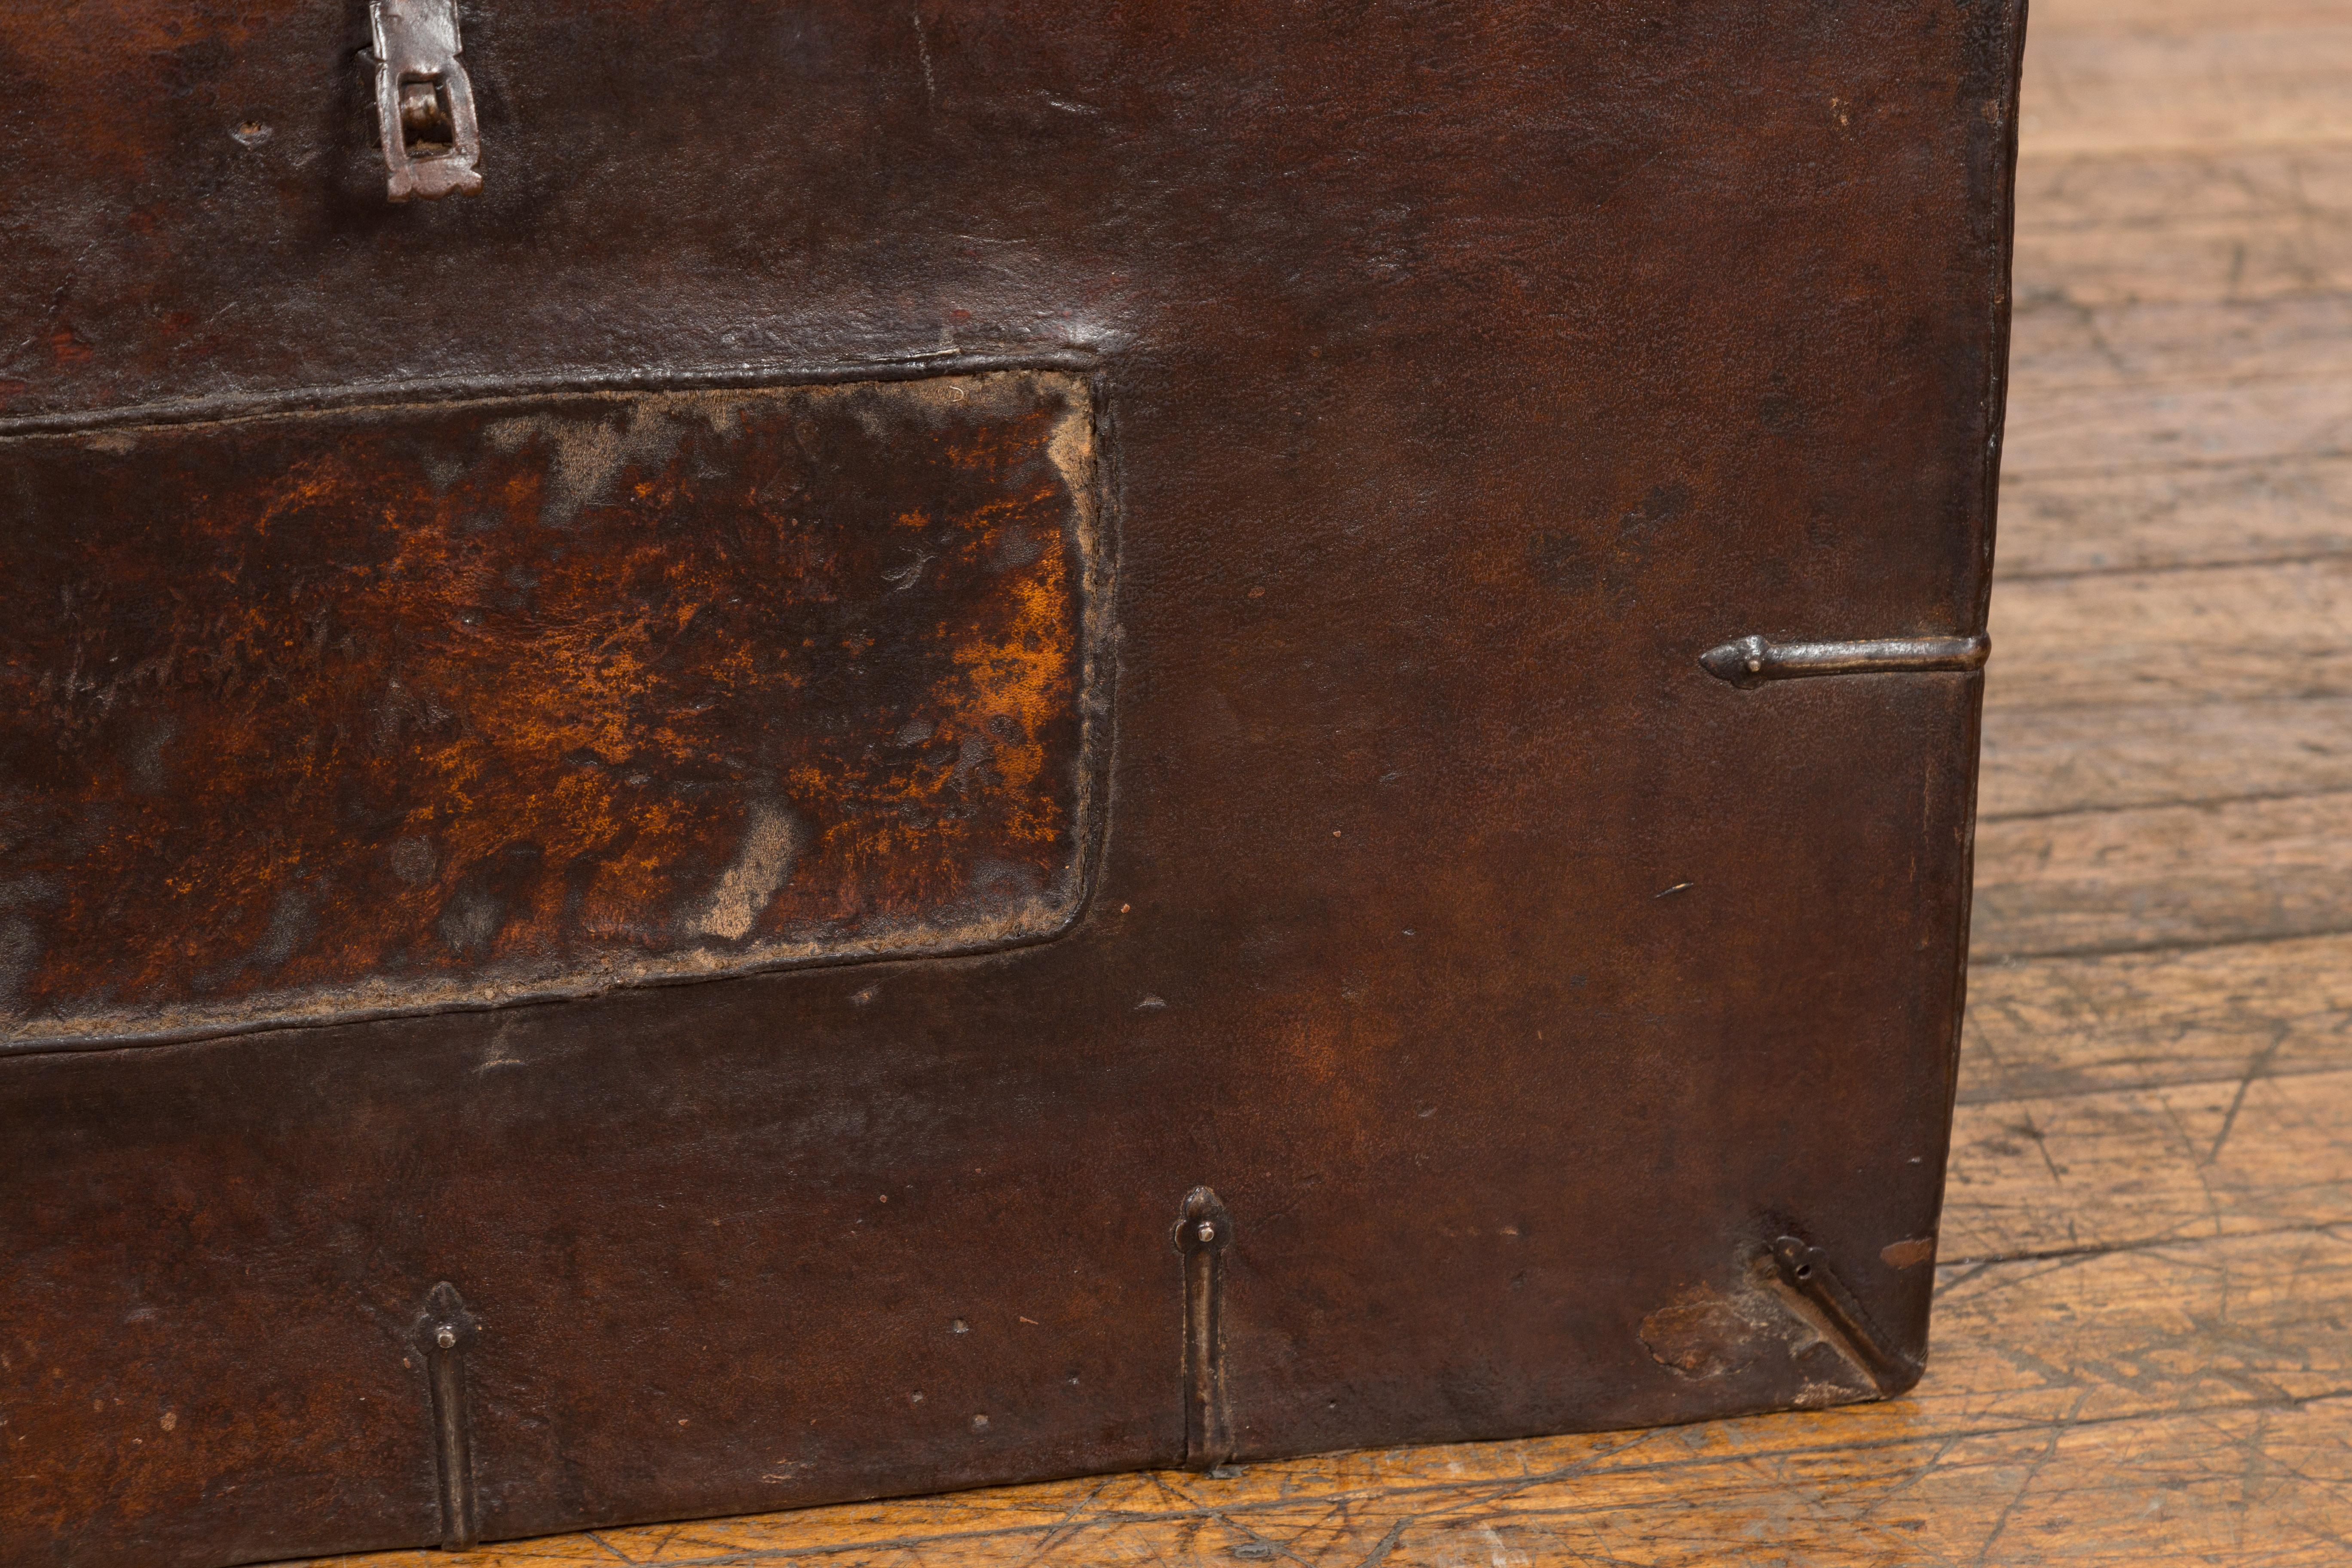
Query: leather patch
[318,716]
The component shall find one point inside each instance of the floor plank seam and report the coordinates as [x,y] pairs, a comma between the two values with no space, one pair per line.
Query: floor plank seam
[2150,1086]
[2126,950]
[2169,568]
[2036,163]
[1977,1263]
[2184,803]
[2125,382]
[2145,466]
[2004,702]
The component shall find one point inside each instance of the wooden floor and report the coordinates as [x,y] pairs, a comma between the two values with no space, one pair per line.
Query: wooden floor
[2143,1345]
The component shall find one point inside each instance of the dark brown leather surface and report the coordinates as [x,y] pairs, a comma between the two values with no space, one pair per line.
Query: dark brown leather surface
[1464,373]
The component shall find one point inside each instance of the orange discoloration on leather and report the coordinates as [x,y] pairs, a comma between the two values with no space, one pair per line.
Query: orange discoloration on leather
[467,702]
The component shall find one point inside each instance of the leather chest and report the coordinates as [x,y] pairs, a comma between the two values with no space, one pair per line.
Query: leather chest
[895,748]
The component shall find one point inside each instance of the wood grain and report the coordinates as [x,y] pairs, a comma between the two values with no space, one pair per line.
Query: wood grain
[2074,359]
[2044,761]
[2061,346]
[2085,431]
[2187,88]
[2112,882]
[2039,1028]
[2218,633]
[2192,515]
[2234,224]
[2100,18]
[2138,1167]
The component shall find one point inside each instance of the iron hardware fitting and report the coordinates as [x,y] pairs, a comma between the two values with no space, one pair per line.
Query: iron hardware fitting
[443,1331]
[1203,1230]
[423,104]
[1750,662]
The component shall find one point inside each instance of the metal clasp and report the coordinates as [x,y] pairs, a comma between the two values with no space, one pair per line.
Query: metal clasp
[424,105]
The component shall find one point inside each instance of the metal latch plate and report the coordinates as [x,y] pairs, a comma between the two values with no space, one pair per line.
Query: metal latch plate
[424,105]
